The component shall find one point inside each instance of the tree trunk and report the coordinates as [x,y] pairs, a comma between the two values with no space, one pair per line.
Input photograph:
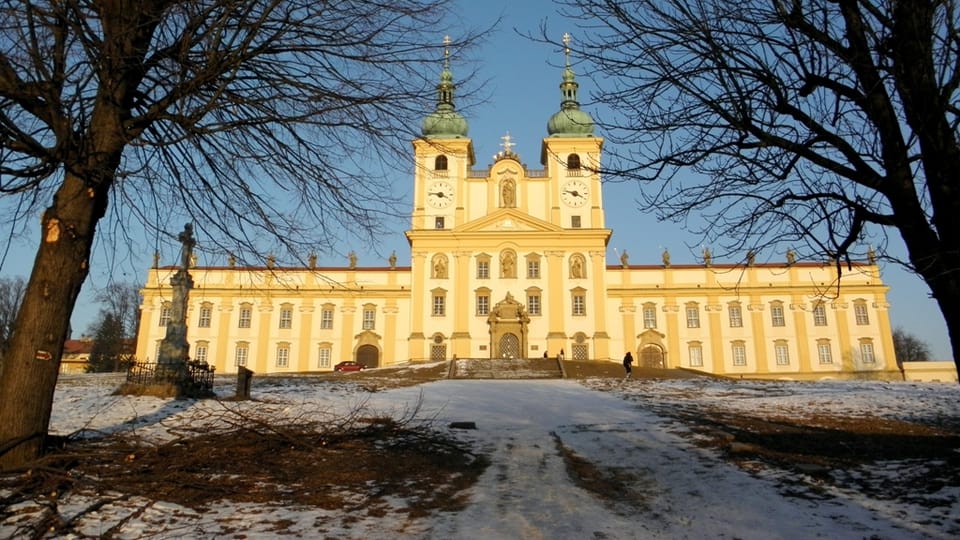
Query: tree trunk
[28,375]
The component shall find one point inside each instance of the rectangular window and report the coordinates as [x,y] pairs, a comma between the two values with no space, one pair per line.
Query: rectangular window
[326,319]
[165,312]
[286,317]
[205,314]
[736,316]
[369,319]
[819,315]
[825,353]
[693,317]
[325,354]
[200,354]
[776,316]
[575,222]
[782,353]
[283,355]
[533,269]
[483,269]
[649,317]
[244,321]
[439,305]
[866,352]
[739,354]
[483,304]
[243,351]
[696,356]
[579,305]
[860,312]
[438,223]
[533,304]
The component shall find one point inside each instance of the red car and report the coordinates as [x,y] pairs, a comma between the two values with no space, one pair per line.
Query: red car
[349,365]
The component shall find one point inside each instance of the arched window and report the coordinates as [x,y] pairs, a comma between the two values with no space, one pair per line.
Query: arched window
[573,161]
[440,164]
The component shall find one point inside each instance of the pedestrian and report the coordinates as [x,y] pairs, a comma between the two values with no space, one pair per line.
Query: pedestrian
[560,356]
[627,360]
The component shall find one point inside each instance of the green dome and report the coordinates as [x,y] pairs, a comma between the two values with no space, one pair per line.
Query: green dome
[445,122]
[570,121]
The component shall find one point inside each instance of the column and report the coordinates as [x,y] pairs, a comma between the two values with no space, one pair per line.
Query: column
[306,345]
[601,339]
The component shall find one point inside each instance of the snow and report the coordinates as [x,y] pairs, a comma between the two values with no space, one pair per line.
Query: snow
[682,490]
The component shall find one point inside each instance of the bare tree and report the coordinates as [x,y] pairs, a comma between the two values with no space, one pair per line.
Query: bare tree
[11,294]
[818,124]
[122,302]
[909,348]
[254,119]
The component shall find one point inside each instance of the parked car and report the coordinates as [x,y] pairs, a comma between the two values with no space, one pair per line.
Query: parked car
[349,365]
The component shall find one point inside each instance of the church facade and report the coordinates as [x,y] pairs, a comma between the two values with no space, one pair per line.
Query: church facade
[510,262]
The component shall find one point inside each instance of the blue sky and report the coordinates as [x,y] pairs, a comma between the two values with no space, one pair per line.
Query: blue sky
[522,89]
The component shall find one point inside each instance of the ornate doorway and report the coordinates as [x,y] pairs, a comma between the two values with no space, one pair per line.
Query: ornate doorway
[508,322]
[651,356]
[369,356]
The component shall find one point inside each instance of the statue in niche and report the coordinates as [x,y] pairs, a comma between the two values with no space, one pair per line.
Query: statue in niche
[707,257]
[508,194]
[791,257]
[352,257]
[576,267]
[508,267]
[624,259]
[393,260]
[666,258]
[440,267]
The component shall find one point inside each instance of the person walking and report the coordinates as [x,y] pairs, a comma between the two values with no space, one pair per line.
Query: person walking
[627,360]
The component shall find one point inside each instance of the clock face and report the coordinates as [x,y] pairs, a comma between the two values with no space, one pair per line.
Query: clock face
[575,193]
[440,194]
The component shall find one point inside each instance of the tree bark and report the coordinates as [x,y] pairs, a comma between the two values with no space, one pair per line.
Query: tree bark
[28,376]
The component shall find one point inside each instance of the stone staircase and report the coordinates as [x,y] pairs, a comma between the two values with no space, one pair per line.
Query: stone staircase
[504,368]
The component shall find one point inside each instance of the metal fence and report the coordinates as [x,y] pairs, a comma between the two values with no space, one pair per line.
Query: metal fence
[192,375]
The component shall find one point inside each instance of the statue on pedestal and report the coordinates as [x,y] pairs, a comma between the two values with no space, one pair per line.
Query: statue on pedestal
[174,349]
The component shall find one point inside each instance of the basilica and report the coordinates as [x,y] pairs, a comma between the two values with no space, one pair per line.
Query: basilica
[510,262]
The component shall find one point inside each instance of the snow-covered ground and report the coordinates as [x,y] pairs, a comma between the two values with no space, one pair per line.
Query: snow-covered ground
[677,488]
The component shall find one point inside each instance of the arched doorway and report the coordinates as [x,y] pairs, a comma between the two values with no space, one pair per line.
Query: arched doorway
[369,356]
[508,329]
[651,356]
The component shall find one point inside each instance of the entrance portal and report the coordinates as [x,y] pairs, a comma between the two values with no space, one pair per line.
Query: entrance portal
[508,322]
[369,356]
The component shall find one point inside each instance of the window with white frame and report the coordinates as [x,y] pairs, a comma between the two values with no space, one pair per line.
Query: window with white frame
[326,318]
[165,313]
[206,313]
[649,316]
[369,318]
[242,354]
[283,354]
[483,303]
[739,350]
[325,353]
[579,304]
[776,314]
[200,352]
[439,305]
[860,313]
[246,314]
[735,313]
[866,352]
[533,269]
[533,304]
[693,316]
[695,351]
[781,352]
[820,314]
[286,316]
[824,351]
[483,269]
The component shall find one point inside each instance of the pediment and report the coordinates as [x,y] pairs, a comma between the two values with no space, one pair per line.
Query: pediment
[508,220]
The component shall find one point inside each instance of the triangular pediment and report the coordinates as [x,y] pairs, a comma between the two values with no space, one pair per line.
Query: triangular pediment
[508,220]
